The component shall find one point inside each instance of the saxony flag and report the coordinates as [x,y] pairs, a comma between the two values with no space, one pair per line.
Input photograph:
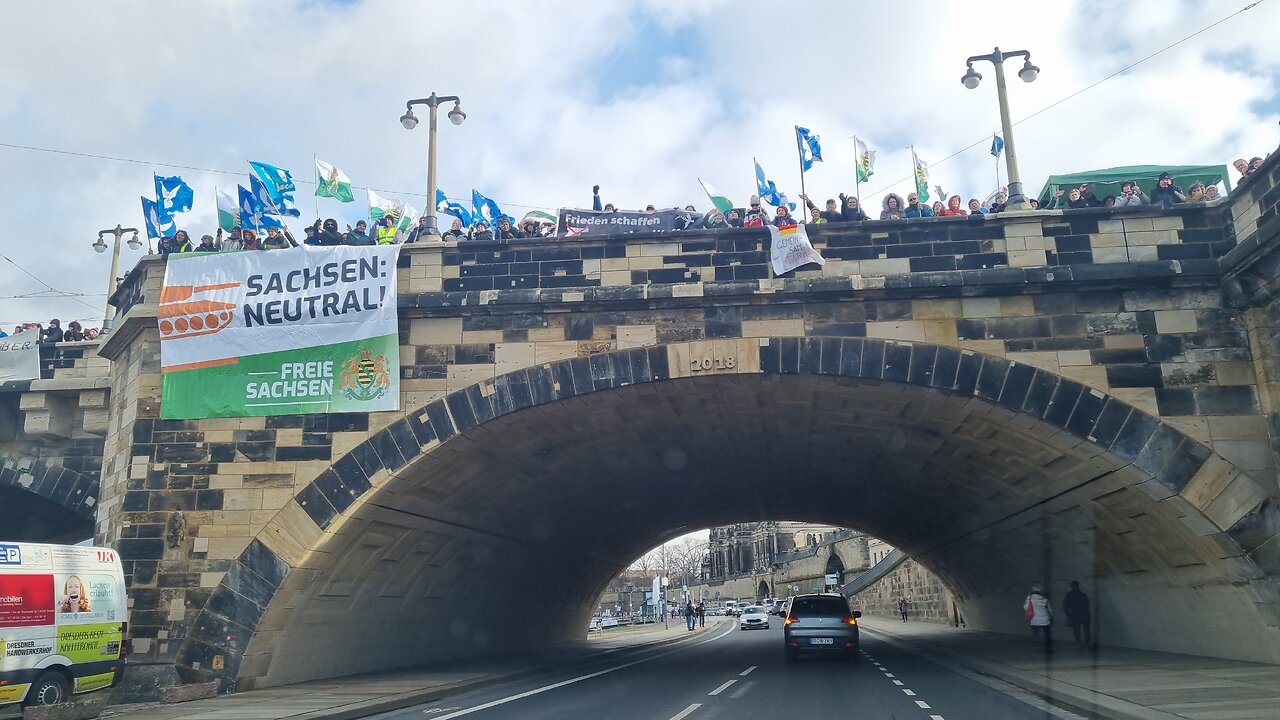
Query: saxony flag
[722,203]
[332,182]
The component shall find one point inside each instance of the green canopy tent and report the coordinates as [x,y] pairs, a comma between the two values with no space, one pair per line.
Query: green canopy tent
[1107,182]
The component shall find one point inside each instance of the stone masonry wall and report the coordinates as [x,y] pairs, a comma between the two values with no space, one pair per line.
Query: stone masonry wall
[927,598]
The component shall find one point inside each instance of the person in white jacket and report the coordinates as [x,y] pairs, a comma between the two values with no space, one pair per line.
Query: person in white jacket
[1131,195]
[1039,615]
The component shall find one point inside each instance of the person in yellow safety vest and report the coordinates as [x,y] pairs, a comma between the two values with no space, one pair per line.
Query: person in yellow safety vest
[386,231]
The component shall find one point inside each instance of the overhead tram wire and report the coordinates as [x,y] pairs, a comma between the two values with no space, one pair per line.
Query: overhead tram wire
[985,138]
[175,166]
[73,296]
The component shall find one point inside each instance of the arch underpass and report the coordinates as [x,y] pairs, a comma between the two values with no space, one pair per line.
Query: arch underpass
[490,521]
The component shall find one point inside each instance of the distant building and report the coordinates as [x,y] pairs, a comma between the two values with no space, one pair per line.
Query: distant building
[877,549]
[753,547]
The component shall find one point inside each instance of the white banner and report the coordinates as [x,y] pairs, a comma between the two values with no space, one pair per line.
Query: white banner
[20,357]
[791,249]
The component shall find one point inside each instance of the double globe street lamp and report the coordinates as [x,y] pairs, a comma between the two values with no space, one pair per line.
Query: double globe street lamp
[100,246]
[1017,200]
[410,121]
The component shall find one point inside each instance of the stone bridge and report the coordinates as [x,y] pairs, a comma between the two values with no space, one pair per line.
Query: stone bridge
[1027,397]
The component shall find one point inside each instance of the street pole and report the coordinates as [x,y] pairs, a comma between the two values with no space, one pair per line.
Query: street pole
[108,317]
[1016,200]
[409,121]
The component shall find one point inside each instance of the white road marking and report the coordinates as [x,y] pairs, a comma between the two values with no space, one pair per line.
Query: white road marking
[685,712]
[722,688]
[923,704]
[908,691]
[746,672]
[936,717]
[580,678]
[889,674]
[899,683]
[742,689]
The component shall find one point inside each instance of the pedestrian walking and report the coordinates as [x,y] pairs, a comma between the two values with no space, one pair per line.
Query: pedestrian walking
[1039,614]
[690,615]
[702,614]
[1076,606]
[902,608]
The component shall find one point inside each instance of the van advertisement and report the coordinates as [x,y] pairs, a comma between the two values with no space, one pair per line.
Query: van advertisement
[26,600]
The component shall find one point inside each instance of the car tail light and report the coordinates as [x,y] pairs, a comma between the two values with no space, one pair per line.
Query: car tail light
[791,619]
[849,620]
[793,643]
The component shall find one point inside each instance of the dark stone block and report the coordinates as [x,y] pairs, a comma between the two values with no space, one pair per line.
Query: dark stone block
[658,363]
[872,358]
[789,355]
[770,357]
[1017,383]
[460,410]
[897,361]
[967,372]
[441,424]
[579,326]
[1110,421]
[335,491]
[461,284]
[580,369]
[563,374]
[1063,402]
[173,500]
[1018,327]
[602,372]
[991,378]
[225,603]
[750,272]
[1106,356]
[257,451]
[970,329]
[1067,325]
[1158,449]
[481,404]
[979,261]
[923,358]
[945,368]
[142,430]
[385,446]
[1121,376]
[1183,252]
[180,452]
[285,454]
[810,356]
[639,359]
[141,549]
[885,310]
[1171,401]
[314,503]
[367,458]
[842,329]
[1073,243]
[830,356]
[1133,434]
[404,438]
[1227,400]
[209,499]
[914,250]
[723,321]
[558,253]
[851,357]
[1163,348]
[1183,464]
[1088,409]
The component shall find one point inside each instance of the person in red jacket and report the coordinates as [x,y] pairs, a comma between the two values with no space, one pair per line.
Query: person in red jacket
[953,207]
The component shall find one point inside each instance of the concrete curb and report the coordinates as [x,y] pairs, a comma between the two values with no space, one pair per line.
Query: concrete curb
[1073,696]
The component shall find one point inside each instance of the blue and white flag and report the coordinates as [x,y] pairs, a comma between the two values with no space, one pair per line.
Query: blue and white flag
[810,150]
[279,188]
[160,224]
[173,194]
[768,191]
[448,207]
[253,215]
[486,209]
[997,145]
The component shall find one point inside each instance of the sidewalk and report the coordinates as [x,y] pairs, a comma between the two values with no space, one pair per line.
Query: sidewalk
[1114,683]
[359,696]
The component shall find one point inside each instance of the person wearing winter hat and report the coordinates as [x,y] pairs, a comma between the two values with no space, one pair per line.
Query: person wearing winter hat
[1166,194]
[756,216]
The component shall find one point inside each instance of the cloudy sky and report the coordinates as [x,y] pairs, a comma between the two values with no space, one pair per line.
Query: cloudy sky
[640,96]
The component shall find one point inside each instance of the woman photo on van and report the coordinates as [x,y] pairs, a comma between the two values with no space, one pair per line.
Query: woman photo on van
[75,599]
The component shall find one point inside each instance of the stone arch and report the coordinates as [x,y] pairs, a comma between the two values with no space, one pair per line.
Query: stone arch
[1128,447]
[762,590]
[67,500]
[835,566]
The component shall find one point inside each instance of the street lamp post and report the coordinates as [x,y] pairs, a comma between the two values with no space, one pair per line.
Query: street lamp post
[100,246]
[410,121]
[1017,200]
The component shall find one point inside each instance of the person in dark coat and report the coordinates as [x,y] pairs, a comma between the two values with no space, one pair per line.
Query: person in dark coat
[505,231]
[327,234]
[850,209]
[53,333]
[831,214]
[1166,194]
[734,218]
[1075,605]
[455,233]
[358,236]
[481,232]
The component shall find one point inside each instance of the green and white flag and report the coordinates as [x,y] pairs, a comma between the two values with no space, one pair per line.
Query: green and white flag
[866,160]
[304,330]
[380,206]
[408,216]
[722,202]
[332,182]
[922,177]
[228,210]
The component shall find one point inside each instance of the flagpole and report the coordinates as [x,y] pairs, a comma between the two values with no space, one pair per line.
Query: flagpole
[800,152]
[315,164]
[857,166]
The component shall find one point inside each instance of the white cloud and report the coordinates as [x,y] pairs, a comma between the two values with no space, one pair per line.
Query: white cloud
[213,84]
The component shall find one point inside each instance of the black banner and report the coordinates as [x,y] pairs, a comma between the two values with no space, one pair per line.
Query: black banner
[593,223]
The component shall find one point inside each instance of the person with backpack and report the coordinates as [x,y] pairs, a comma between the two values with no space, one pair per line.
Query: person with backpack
[1076,607]
[690,615]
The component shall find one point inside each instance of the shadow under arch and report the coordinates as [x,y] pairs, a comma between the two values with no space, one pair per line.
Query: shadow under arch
[1017,446]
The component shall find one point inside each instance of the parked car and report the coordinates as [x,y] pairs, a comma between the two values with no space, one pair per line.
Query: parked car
[753,616]
[821,624]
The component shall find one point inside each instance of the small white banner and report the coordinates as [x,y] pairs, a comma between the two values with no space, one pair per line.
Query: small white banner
[20,357]
[791,249]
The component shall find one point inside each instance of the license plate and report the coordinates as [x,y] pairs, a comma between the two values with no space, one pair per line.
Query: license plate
[821,641]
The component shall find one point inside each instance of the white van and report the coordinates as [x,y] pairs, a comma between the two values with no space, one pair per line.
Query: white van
[63,626]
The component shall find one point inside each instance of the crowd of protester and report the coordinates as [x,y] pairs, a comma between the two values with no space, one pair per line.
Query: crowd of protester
[54,333]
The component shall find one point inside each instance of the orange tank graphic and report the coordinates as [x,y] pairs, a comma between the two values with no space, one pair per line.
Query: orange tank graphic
[182,314]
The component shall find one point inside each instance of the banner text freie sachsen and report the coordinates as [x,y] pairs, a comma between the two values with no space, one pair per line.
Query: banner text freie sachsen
[328,304]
